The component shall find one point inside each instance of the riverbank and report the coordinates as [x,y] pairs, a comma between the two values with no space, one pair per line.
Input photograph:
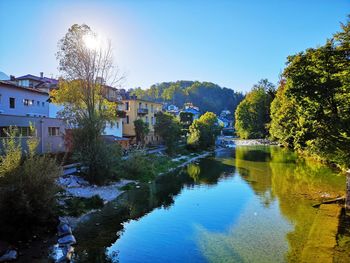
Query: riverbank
[75,186]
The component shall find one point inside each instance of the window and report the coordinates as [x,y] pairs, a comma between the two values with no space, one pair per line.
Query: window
[127,105]
[12,103]
[140,105]
[127,119]
[54,131]
[117,125]
[38,103]
[152,108]
[152,119]
[21,131]
[26,102]
[31,103]
[147,119]
[24,131]
[146,106]
[43,103]
[0,98]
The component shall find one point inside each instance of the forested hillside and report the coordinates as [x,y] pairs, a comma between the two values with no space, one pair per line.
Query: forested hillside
[206,95]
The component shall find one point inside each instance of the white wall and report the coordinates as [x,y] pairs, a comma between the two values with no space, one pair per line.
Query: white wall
[20,109]
[116,129]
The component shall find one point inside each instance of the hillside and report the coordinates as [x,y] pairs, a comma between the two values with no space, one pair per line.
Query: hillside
[206,95]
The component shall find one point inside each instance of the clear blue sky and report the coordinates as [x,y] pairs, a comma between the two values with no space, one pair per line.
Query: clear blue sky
[231,43]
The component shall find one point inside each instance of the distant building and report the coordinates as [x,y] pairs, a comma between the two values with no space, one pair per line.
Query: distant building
[225,123]
[140,109]
[192,109]
[172,109]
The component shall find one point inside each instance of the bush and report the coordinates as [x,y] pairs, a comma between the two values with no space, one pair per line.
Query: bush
[139,167]
[101,160]
[27,190]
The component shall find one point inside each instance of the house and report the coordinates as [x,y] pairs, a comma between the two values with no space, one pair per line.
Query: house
[41,83]
[26,106]
[223,122]
[140,109]
[189,108]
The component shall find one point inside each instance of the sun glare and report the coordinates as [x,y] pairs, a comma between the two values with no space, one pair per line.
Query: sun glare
[90,41]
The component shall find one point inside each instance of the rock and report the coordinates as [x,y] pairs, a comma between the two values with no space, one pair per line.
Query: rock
[9,255]
[67,240]
[63,229]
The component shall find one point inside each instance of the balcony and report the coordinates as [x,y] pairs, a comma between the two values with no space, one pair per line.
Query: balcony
[120,114]
[142,111]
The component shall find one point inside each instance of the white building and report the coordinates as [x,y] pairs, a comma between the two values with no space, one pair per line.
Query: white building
[24,107]
[16,100]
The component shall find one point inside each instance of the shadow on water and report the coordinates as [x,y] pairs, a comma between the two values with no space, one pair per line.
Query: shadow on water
[104,227]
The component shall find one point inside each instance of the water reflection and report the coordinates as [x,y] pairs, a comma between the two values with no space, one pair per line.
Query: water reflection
[287,187]
[251,204]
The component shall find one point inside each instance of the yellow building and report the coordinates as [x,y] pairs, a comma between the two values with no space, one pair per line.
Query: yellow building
[140,109]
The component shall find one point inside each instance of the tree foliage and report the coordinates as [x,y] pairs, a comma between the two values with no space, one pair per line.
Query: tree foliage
[169,128]
[253,113]
[141,130]
[206,95]
[311,112]
[203,132]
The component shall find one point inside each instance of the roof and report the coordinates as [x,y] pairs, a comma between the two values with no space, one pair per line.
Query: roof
[193,111]
[36,78]
[11,84]
[148,101]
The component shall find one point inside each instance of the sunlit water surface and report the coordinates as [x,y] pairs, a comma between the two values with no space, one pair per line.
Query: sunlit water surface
[249,204]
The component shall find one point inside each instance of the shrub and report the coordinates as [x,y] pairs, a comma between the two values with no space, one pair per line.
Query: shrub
[138,167]
[27,190]
[101,160]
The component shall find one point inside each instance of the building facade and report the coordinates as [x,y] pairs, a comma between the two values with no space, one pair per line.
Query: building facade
[26,107]
[140,109]
[17,100]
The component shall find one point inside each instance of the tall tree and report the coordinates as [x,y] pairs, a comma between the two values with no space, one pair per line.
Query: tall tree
[169,128]
[253,113]
[141,131]
[203,132]
[86,67]
[317,96]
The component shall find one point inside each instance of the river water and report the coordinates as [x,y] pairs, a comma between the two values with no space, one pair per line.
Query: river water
[248,204]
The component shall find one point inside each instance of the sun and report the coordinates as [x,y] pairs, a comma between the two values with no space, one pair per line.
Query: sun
[90,41]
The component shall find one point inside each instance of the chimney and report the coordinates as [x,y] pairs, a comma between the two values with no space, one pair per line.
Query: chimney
[41,74]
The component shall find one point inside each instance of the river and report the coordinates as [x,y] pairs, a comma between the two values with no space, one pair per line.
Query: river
[248,204]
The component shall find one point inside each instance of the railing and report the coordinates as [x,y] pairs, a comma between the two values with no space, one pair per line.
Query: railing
[142,111]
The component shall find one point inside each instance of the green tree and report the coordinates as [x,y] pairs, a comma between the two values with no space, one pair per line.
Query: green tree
[206,95]
[314,104]
[253,113]
[169,128]
[82,90]
[203,132]
[141,130]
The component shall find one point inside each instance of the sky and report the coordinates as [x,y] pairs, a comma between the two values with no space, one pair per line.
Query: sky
[231,43]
